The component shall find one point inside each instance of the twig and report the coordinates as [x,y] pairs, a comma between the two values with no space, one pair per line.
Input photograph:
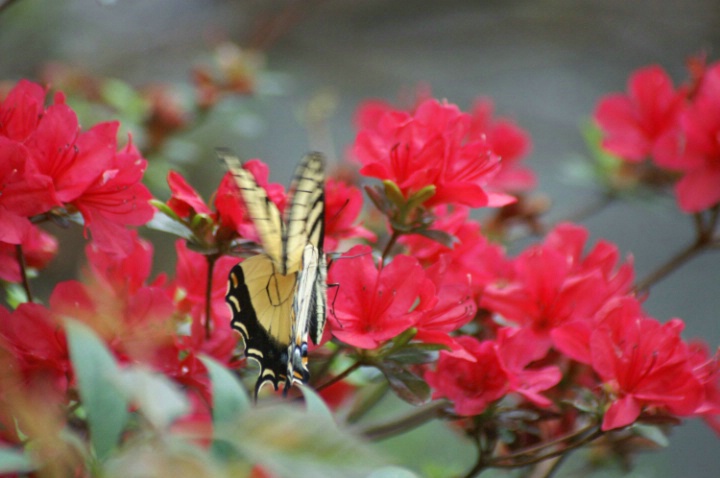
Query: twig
[23,271]
[340,376]
[412,420]
[6,4]
[208,294]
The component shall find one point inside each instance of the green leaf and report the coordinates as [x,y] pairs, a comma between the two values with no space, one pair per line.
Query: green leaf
[405,384]
[166,223]
[15,461]
[315,405]
[392,472]
[124,99]
[652,433]
[229,397]
[447,240]
[97,373]
[290,442]
[414,355]
[158,399]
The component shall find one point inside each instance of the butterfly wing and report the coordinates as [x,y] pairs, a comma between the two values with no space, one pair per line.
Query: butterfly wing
[263,212]
[261,303]
[305,215]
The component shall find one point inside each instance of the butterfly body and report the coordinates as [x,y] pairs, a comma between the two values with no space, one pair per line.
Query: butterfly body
[279,298]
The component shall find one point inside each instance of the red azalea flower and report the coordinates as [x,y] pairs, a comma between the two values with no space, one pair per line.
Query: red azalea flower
[644,365]
[184,200]
[471,385]
[430,147]
[21,110]
[190,286]
[38,343]
[508,141]
[38,249]
[634,123]
[23,192]
[515,349]
[116,199]
[134,318]
[696,151]
[452,308]
[706,368]
[471,256]
[343,204]
[497,368]
[374,305]
[552,285]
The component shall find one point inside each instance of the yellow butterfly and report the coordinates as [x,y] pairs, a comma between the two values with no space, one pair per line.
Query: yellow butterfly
[279,297]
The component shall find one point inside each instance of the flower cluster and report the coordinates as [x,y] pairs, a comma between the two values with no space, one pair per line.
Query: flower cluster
[517,349]
[52,168]
[677,128]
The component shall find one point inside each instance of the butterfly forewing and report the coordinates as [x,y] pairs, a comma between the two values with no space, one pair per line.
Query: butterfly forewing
[305,215]
[263,212]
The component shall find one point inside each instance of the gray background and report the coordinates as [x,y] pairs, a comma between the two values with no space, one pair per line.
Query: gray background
[545,63]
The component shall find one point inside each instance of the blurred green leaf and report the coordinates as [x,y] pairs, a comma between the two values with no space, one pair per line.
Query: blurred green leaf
[230,399]
[447,240]
[125,99]
[163,222]
[158,399]
[97,374]
[315,405]
[415,355]
[392,472]
[290,442]
[652,433]
[14,461]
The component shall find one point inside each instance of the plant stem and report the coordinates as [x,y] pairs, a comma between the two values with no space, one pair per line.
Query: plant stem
[529,457]
[393,239]
[6,4]
[211,259]
[417,417]
[704,231]
[340,376]
[23,271]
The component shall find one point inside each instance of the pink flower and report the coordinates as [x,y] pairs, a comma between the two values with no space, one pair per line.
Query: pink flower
[508,141]
[376,304]
[695,150]
[645,365]
[21,110]
[36,339]
[471,384]
[472,257]
[553,285]
[430,147]
[38,247]
[343,204]
[494,369]
[23,192]
[634,122]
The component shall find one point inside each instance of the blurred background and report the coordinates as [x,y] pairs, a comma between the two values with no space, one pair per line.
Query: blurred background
[544,63]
